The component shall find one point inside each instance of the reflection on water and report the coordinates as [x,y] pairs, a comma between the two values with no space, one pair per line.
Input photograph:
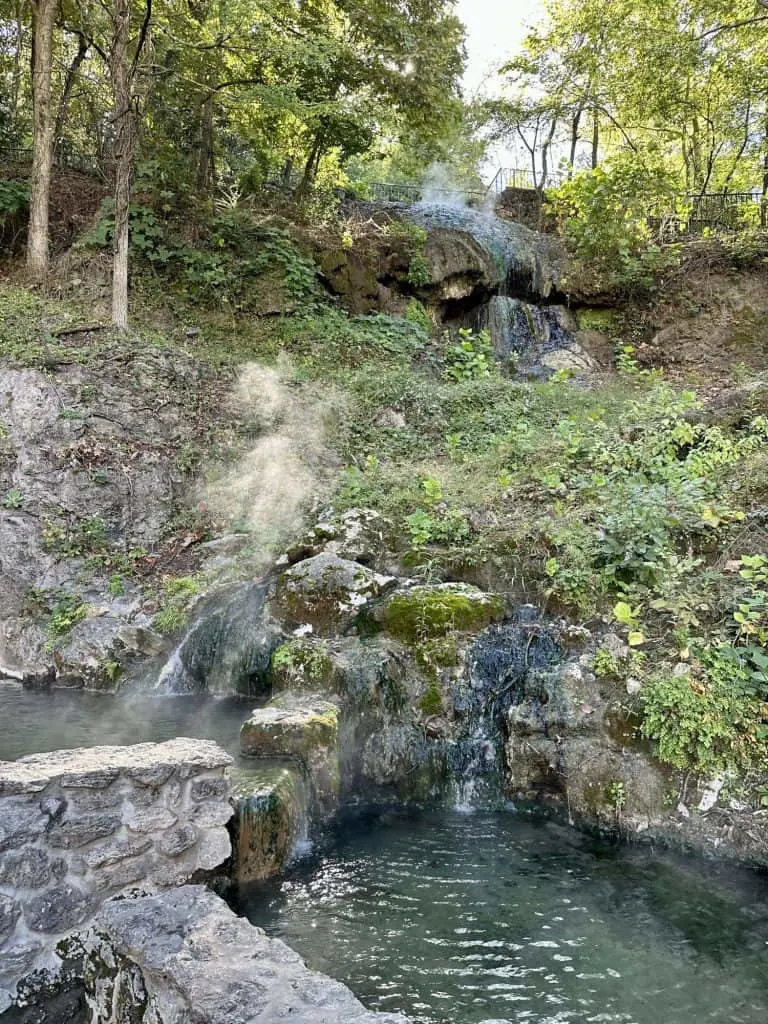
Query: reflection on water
[460,919]
[36,721]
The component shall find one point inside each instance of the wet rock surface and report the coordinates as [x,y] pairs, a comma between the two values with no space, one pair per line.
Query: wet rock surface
[306,729]
[271,819]
[184,955]
[228,648]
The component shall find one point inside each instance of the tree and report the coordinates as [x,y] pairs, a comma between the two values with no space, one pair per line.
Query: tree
[43,16]
[122,72]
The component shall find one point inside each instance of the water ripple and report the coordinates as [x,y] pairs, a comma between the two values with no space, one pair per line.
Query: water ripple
[462,920]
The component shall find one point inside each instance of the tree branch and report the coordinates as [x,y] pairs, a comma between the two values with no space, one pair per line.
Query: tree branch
[735,24]
[142,38]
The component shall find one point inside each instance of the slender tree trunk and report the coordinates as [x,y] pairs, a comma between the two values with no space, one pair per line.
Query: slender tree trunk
[44,17]
[69,82]
[764,204]
[595,137]
[310,168]
[575,122]
[205,169]
[124,134]
[17,62]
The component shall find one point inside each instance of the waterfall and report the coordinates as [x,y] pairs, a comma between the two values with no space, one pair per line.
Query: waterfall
[530,335]
[505,662]
[523,335]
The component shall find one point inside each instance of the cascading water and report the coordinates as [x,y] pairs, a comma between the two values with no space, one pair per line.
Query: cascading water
[524,335]
[529,333]
[504,661]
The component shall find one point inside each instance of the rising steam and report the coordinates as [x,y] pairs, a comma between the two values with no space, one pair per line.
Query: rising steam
[287,469]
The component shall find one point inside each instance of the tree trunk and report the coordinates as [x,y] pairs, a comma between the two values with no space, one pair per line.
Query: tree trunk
[124,134]
[764,203]
[69,81]
[575,122]
[595,137]
[17,63]
[44,16]
[205,170]
[310,168]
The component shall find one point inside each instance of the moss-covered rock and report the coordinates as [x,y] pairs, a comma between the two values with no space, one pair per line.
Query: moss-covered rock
[304,664]
[305,730]
[427,612]
[271,809]
[327,592]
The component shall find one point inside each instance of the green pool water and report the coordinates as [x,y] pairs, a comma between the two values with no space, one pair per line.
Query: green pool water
[459,919]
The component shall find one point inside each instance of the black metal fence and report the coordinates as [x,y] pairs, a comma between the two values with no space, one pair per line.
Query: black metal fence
[63,158]
[522,177]
[398,192]
[709,212]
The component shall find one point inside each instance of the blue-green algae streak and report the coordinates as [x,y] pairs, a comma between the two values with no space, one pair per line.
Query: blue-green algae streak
[459,919]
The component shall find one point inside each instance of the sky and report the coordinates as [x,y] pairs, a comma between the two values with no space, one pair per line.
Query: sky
[495,29]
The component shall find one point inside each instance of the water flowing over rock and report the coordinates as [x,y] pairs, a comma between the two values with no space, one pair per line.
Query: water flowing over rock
[271,823]
[525,263]
[534,340]
[228,648]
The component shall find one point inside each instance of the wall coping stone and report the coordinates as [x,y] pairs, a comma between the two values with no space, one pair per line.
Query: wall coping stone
[93,767]
[184,955]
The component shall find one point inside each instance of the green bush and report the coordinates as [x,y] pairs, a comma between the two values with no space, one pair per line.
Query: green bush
[471,357]
[604,217]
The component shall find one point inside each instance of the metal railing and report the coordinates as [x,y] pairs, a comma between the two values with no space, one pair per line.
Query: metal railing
[716,212]
[401,192]
[63,158]
[523,178]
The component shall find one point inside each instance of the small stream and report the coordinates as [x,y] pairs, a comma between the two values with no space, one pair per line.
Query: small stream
[458,919]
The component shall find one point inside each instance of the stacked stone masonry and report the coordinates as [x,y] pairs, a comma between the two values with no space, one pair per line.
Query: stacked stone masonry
[80,826]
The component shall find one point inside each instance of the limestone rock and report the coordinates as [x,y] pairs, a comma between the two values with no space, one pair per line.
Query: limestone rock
[228,648]
[186,954]
[574,359]
[58,909]
[328,592]
[25,869]
[271,815]
[306,730]
[458,265]
[9,914]
[434,610]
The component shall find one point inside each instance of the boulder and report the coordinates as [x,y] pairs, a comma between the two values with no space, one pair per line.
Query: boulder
[347,275]
[425,612]
[307,731]
[327,592]
[188,957]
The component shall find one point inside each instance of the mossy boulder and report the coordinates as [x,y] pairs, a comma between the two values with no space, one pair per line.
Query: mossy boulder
[306,730]
[327,592]
[304,664]
[368,675]
[428,612]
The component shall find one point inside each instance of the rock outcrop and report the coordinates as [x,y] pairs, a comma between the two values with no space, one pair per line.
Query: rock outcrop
[184,956]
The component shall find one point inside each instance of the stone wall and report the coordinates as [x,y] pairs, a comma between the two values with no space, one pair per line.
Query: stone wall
[183,956]
[80,826]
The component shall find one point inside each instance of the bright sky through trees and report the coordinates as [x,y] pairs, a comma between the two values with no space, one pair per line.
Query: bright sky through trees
[495,28]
